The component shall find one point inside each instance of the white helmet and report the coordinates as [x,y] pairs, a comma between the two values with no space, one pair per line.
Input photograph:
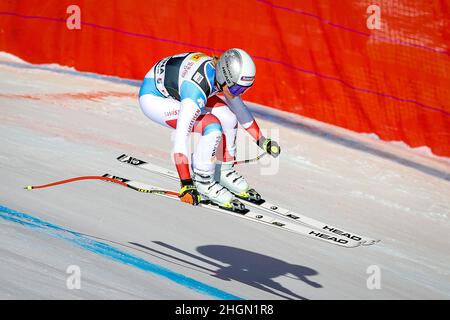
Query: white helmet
[235,69]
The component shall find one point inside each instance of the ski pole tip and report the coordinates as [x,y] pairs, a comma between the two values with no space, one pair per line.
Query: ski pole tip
[29,187]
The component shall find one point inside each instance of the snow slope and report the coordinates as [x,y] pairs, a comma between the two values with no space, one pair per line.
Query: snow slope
[57,123]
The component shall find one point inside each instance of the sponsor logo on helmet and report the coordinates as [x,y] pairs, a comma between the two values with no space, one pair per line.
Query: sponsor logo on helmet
[247,78]
[227,75]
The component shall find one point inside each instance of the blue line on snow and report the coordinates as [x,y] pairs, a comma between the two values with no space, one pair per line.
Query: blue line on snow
[110,252]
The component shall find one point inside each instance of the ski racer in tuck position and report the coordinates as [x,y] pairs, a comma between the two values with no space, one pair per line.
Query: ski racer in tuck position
[180,92]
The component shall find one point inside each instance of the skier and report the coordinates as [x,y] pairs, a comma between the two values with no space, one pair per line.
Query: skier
[180,92]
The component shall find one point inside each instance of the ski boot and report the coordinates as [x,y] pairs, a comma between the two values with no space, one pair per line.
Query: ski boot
[234,182]
[217,194]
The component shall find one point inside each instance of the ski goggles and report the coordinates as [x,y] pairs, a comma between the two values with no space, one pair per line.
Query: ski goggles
[237,89]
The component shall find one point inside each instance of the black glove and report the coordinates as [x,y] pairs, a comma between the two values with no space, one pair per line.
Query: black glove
[189,193]
[270,146]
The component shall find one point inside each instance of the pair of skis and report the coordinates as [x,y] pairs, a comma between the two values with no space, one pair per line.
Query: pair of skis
[283,218]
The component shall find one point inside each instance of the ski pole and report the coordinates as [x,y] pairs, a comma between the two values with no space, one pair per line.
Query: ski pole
[75,179]
[250,160]
[104,178]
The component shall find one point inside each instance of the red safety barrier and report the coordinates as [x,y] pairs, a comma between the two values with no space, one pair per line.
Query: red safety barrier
[315,58]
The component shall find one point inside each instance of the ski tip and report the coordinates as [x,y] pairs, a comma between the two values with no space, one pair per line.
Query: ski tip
[28,187]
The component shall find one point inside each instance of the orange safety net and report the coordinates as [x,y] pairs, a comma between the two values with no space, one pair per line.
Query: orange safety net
[315,58]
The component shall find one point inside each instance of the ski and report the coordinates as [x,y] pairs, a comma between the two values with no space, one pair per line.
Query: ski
[246,214]
[261,204]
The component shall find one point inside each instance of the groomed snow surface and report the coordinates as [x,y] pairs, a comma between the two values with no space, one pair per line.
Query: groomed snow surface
[57,123]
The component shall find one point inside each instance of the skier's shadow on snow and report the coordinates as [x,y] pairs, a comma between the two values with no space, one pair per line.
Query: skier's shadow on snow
[250,268]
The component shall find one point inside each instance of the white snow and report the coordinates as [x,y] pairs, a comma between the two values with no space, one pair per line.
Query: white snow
[56,123]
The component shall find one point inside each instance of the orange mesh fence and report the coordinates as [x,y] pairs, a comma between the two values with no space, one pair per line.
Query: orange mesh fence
[319,59]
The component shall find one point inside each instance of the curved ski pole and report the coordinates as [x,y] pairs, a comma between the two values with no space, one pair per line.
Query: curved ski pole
[107,178]
[76,179]
[250,160]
